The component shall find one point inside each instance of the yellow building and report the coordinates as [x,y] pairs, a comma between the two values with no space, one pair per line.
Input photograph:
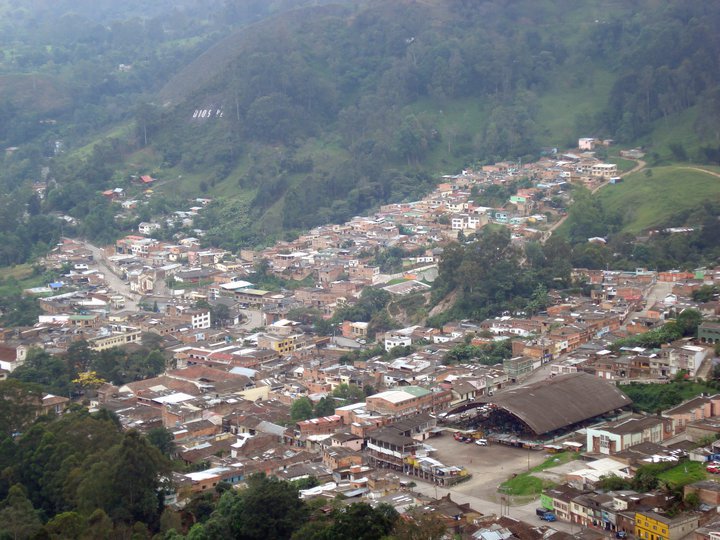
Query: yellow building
[652,526]
[280,344]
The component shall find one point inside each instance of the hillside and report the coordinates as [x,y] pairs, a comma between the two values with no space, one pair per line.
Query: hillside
[323,112]
[662,199]
[293,113]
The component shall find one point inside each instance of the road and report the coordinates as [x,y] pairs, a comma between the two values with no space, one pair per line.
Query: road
[525,512]
[655,293]
[113,281]
[253,319]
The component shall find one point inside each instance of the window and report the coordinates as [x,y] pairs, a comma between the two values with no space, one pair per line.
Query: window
[604,442]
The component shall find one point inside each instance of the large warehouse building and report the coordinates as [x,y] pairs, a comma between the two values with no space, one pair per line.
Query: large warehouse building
[555,405]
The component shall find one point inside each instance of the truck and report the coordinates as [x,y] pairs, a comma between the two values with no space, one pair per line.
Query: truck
[545,514]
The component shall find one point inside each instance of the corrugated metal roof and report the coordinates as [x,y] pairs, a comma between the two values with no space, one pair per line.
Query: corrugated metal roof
[561,401]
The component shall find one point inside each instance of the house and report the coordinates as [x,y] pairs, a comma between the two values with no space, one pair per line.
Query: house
[698,408]
[518,367]
[603,170]
[613,437]
[388,449]
[148,227]
[12,357]
[355,330]
[587,143]
[406,401]
[53,404]
[709,332]
[397,341]
[654,526]
[707,491]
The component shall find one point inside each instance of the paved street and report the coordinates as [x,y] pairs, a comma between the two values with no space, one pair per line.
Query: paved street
[112,280]
[524,512]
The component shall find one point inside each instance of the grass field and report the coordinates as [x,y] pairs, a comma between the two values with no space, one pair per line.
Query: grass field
[559,109]
[648,201]
[685,473]
[623,164]
[17,278]
[527,484]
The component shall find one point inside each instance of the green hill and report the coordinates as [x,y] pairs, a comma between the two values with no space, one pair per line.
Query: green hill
[293,113]
[367,102]
[642,202]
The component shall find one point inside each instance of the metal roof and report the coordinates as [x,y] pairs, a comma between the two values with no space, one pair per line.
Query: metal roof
[561,401]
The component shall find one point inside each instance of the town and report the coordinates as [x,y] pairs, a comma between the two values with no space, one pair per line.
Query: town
[280,361]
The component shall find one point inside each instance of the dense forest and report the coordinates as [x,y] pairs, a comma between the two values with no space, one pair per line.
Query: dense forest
[295,113]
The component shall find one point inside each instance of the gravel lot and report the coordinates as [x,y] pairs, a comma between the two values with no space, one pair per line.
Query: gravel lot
[490,465]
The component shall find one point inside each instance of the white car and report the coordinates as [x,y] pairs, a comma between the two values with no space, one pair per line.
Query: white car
[481,442]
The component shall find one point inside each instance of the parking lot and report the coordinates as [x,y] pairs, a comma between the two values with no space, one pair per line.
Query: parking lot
[490,465]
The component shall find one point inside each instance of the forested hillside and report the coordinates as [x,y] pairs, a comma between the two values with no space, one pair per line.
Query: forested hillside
[329,111]
[294,113]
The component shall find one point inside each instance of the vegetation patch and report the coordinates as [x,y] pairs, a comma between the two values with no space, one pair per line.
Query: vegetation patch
[685,473]
[527,484]
[557,459]
[656,397]
[644,200]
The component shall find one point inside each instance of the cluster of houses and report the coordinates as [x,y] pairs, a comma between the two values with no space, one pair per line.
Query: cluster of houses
[237,360]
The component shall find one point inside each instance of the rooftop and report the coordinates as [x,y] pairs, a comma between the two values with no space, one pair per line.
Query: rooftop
[564,400]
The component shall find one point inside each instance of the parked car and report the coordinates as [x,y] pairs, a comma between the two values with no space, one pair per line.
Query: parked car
[481,442]
[620,534]
[545,514]
[713,469]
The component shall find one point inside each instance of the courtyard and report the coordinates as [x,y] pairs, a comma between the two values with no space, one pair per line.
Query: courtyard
[489,465]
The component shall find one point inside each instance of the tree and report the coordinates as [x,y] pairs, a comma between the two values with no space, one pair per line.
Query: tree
[88,380]
[324,407]
[65,526]
[539,300]
[349,392]
[692,501]
[301,409]
[136,480]
[19,403]
[162,439]
[53,373]
[268,509]
[18,518]
[360,521]
[613,483]
[80,355]
[98,525]
[688,321]
[220,314]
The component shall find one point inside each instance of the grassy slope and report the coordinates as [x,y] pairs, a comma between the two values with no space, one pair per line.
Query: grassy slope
[527,484]
[17,278]
[679,128]
[685,473]
[564,101]
[644,202]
